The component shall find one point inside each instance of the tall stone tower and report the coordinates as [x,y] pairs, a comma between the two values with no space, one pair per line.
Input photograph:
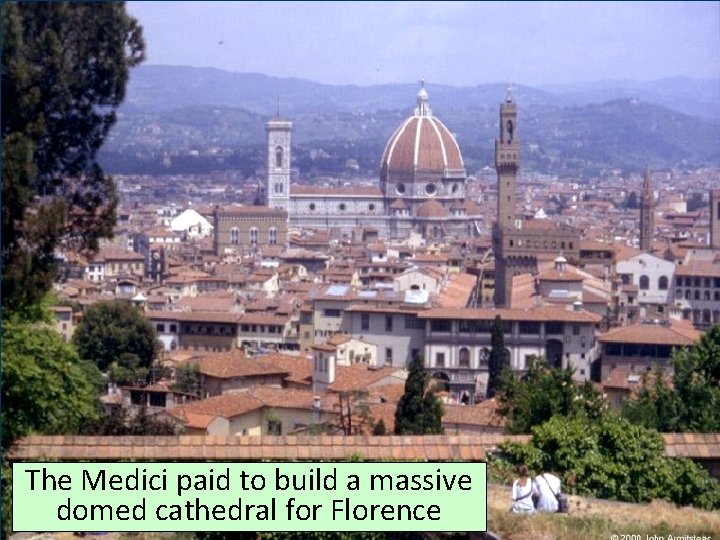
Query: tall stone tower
[647,214]
[277,184]
[715,218]
[507,163]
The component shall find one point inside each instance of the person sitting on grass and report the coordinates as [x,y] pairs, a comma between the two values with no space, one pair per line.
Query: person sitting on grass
[523,490]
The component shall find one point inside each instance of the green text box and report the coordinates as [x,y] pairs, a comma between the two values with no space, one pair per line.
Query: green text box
[406,496]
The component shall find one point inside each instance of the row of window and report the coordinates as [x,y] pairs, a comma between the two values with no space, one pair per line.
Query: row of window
[697,282]
[485,327]
[689,295]
[645,283]
[342,207]
[235,236]
[545,244]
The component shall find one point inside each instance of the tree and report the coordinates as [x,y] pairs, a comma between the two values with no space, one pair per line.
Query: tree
[121,423]
[631,202]
[419,411]
[498,360]
[693,402]
[379,428]
[46,388]
[611,458]
[542,393]
[64,71]
[116,335]
[187,379]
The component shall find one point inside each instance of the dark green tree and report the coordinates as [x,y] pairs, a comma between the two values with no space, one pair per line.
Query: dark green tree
[379,428]
[65,66]
[632,201]
[46,387]
[187,379]
[120,422]
[498,359]
[419,411]
[694,399]
[610,457]
[116,335]
[697,383]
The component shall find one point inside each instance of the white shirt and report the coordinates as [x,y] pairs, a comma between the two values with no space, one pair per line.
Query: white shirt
[547,501]
[522,497]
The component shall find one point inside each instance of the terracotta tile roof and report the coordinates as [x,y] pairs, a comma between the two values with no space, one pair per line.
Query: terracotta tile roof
[224,406]
[194,316]
[292,398]
[692,445]
[361,377]
[457,291]
[263,318]
[227,365]
[677,334]
[698,268]
[485,414]
[624,379]
[255,448]
[555,275]
[355,191]
[300,368]
[252,211]
[546,313]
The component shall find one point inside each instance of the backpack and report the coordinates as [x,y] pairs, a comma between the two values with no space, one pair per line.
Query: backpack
[561,498]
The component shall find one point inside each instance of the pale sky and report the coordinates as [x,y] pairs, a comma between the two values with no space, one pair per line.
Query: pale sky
[455,43]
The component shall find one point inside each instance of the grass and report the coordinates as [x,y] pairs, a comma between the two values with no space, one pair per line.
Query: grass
[595,518]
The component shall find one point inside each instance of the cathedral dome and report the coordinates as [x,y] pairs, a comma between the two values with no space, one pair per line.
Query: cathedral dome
[431,209]
[422,144]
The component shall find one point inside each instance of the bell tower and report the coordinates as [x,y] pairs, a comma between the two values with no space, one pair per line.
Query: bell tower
[507,163]
[647,214]
[277,183]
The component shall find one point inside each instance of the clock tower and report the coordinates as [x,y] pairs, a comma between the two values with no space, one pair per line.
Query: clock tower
[277,184]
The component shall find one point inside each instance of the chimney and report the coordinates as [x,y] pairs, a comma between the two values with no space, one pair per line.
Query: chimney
[577,305]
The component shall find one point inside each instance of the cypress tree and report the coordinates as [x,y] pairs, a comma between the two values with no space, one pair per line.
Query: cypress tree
[498,360]
[419,411]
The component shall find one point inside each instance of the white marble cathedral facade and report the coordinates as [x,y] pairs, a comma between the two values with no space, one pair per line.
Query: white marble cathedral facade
[421,189]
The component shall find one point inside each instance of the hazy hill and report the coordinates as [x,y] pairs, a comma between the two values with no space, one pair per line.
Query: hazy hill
[218,117]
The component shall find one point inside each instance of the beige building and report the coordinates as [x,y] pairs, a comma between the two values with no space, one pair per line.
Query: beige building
[240,229]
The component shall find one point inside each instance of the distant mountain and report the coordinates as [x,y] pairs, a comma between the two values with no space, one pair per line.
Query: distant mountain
[153,88]
[696,97]
[206,119]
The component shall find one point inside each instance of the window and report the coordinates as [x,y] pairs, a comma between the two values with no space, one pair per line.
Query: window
[157,399]
[388,323]
[234,236]
[365,321]
[553,327]
[332,313]
[663,283]
[644,282]
[160,327]
[412,322]
[464,357]
[529,327]
[312,206]
[274,426]
[439,359]
[388,356]
[278,157]
[371,207]
[697,295]
[576,329]
[414,353]
[679,281]
[253,236]
[173,327]
[342,207]
[440,325]
[706,295]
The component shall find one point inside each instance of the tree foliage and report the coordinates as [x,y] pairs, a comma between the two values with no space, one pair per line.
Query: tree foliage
[419,411]
[46,388]
[498,359]
[64,71]
[187,379]
[121,422]
[694,400]
[612,458]
[116,335]
[542,393]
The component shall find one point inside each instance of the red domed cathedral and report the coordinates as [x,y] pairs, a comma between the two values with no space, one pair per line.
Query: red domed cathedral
[422,185]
